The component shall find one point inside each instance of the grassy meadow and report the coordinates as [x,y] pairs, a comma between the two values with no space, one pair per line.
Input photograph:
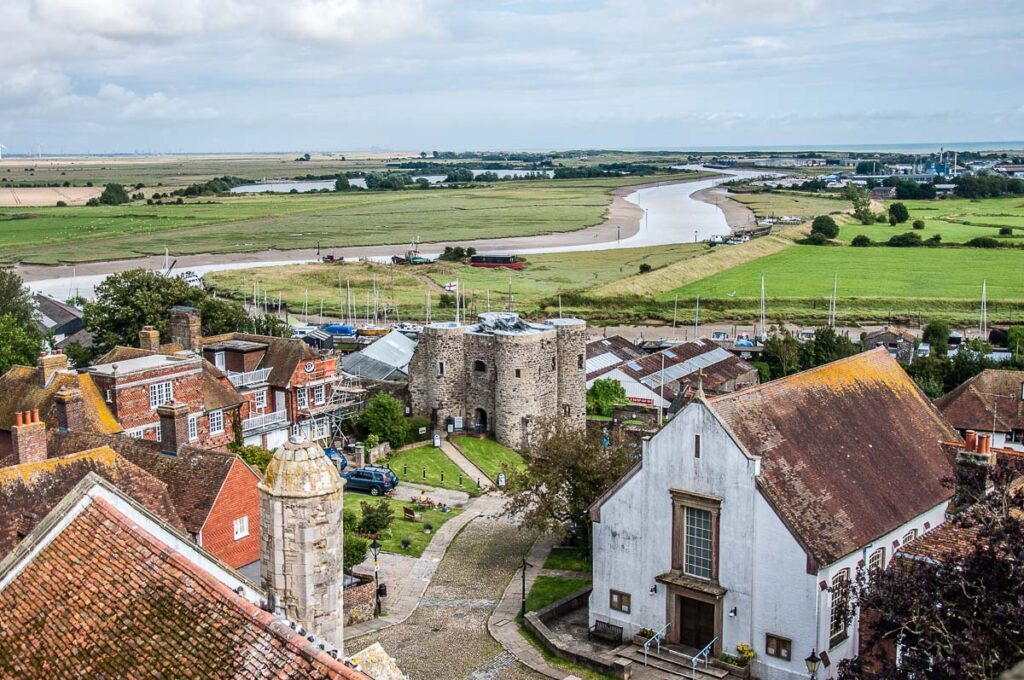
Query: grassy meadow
[955,220]
[291,221]
[795,203]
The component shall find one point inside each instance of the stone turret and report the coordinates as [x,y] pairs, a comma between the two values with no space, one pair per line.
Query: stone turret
[572,371]
[301,539]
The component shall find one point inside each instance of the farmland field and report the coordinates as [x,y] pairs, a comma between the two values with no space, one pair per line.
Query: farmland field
[290,221]
[799,204]
[955,220]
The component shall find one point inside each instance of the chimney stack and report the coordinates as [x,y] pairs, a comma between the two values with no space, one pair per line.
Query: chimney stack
[974,464]
[49,365]
[28,437]
[149,338]
[173,426]
[186,327]
[70,410]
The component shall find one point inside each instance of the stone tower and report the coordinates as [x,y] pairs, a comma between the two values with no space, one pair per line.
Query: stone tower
[572,370]
[439,365]
[301,539]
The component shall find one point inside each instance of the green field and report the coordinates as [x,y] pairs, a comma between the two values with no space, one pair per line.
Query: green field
[542,279]
[391,538]
[490,456]
[795,203]
[291,221]
[955,220]
[874,284]
[426,465]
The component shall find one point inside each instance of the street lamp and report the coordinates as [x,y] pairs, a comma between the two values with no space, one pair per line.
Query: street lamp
[813,661]
[375,551]
[522,608]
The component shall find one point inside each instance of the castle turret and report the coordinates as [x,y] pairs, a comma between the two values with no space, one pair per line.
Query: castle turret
[572,370]
[301,539]
[438,364]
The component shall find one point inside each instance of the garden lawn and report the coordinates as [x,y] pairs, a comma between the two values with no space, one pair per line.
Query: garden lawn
[425,465]
[490,456]
[568,559]
[548,589]
[391,538]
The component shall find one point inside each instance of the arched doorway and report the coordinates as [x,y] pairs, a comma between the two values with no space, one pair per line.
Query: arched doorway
[480,420]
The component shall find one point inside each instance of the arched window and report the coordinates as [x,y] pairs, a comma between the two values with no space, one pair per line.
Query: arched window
[479,366]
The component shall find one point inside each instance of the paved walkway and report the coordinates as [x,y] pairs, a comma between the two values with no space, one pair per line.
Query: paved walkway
[404,595]
[502,623]
[464,464]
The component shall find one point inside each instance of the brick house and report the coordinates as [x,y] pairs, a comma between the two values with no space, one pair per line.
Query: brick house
[992,401]
[25,388]
[213,493]
[288,387]
[136,381]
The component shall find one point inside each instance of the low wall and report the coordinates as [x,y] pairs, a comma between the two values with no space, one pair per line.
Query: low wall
[536,622]
[359,602]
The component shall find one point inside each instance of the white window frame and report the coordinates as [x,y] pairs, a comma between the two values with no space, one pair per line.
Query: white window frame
[160,393]
[260,398]
[319,395]
[876,560]
[135,434]
[301,398]
[159,433]
[217,422]
[838,624]
[687,546]
[241,527]
[909,536]
[193,427]
[219,360]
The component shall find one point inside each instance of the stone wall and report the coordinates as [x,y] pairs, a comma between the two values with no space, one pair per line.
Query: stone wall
[572,371]
[360,601]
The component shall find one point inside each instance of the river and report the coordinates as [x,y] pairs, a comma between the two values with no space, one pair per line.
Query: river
[672,215]
[304,186]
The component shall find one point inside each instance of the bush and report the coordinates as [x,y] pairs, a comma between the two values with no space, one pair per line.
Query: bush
[93,202]
[825,225]
[934,240]
[860,241]
[376,517]
[256,456]
[882,218]
[898,213]
[384,416]
[61,204]
[817,239]
[354,551]
[114,194]
[918,224]
[644,268]
[1003,231]
[413,425]
[982,242]
[907,240]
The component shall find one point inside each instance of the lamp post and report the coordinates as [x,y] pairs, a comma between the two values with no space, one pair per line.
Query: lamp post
[375,551]
[813,661]
[522,608]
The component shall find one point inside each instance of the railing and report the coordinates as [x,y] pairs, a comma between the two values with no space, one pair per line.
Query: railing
[260,375]
[656,639]
[705,653]
[264,420]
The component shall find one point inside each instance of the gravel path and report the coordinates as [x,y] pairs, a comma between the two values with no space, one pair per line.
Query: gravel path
[446,637]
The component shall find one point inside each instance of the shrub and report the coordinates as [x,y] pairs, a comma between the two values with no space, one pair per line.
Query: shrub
[376,517]
[817,239]
[882,218]
[61,204]
[860,241]
[372,441]
[428,527]
[1003,231]
[406,542]
[93,202]
[907,240]
[825,225]
[934,240]
[413,425]
[898,213]
[354,551]
[982,242]
[918,224]
[644,268]
[256,456]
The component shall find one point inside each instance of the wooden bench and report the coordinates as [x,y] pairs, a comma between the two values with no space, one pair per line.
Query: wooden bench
[411,514]
[608,632]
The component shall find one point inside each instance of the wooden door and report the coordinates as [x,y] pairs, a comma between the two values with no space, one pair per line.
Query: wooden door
[696,622]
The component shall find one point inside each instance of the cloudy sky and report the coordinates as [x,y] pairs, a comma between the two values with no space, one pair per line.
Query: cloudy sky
[311,75]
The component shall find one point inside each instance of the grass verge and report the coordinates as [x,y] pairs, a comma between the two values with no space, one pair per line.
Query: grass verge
[391,538]
[568,559]
[490,456]
[427,465]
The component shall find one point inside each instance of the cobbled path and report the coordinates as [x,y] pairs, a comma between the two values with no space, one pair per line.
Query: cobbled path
[446,637]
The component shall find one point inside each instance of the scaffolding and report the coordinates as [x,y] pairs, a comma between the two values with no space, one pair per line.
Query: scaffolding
[346,397]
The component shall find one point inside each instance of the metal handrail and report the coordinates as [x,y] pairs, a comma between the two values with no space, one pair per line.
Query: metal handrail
[241,379]
[264,419]
[706,652]
[656,638]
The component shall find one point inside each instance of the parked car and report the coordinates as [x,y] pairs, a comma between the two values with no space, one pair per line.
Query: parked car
[376,481]
[337,458]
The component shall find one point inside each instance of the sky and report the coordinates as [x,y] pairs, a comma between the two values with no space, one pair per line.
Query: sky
[169,76]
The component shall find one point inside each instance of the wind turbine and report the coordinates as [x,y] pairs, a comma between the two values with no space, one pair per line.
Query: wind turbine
[2,149]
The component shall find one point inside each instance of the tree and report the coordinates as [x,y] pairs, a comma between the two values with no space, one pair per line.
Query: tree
[354,551]
[268,324]
[1015,340]
[342,183]
[127,301]
[19,343]
[936,334]
[459,175]
[567,472]
[114,194]
[860,241]
[898,213]
[825,225]
[15,298]
[376,517]
[603,395]
[861,200]
[918,224]
[782,354]
[957,614]
[384,416]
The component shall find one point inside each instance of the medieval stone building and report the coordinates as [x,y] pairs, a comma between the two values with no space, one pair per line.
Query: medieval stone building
[501,375]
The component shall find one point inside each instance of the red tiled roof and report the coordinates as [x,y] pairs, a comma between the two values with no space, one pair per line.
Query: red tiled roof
[194,477]
[107,599]
[282,355]
[970,405]
[29,491]
[849,450]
